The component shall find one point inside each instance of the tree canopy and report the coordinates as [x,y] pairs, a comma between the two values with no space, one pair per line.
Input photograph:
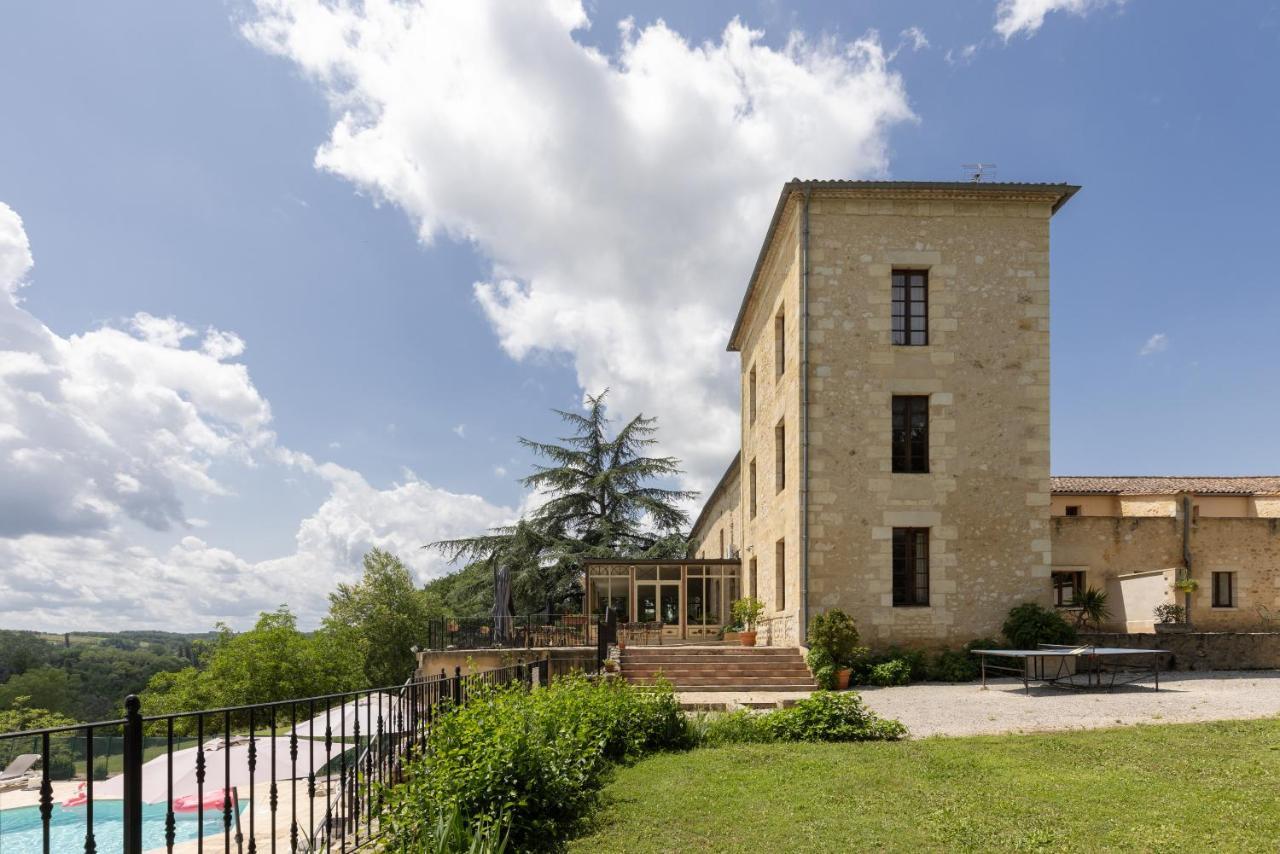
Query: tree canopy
[383,615]
[272,661]
[602,500]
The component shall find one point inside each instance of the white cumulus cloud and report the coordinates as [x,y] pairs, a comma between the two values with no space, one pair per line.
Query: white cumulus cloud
[620,198]
[1027,16]
[1157,343]
[108,430]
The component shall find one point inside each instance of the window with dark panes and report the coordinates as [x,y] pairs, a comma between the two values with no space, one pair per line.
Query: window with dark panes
[910,433]
[1065,587]
[1224,590]
[910,566]
[910,312]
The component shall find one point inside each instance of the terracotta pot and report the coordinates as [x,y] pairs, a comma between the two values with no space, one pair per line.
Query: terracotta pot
[843,675]
[747,638]
[731,636]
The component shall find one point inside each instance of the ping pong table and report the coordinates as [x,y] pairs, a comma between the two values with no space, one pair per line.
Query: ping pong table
[1080,668]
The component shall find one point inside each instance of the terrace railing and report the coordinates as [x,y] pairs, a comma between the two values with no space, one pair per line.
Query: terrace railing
[523,631]
[294,775]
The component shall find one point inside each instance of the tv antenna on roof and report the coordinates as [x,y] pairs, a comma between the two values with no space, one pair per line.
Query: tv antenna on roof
[978,171]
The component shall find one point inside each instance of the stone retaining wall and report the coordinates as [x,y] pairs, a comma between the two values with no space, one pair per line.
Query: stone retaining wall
[1202,650]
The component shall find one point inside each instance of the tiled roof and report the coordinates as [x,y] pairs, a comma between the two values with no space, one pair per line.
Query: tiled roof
[1144,485]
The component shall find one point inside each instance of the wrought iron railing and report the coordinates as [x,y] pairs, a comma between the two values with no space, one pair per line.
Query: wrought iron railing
[294,775]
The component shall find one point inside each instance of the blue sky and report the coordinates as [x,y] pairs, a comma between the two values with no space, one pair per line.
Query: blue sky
[163,160]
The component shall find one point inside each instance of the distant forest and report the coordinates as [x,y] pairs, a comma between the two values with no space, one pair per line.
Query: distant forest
[87,675]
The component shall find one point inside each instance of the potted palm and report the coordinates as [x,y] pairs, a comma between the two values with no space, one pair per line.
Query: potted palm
[746,613]
[1090,606]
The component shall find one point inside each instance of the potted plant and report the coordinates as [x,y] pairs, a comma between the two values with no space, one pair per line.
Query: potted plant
[610,665]
[746,612]
[833,648]
[1171,618]
[731,633]
[1186,584]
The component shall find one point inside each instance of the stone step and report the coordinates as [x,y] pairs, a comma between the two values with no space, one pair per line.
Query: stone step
[711,650]
[693,661]
[744,686]
[675,672]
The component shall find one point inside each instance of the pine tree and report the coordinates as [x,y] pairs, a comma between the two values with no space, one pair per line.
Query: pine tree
[601,502]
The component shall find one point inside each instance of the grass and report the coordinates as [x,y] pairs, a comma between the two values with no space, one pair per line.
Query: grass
[1185,787]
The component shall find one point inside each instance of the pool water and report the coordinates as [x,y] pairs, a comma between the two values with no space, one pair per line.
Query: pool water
[20,831]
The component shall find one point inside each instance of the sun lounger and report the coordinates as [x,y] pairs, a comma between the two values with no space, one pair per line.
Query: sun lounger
[16,772]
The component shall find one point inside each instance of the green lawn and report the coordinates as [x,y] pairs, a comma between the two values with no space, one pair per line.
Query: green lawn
[1189,787]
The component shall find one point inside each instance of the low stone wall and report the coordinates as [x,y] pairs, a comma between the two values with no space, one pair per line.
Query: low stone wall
[563,659]
[1202,650]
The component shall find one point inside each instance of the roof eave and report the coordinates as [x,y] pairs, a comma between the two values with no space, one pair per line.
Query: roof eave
[1065,192]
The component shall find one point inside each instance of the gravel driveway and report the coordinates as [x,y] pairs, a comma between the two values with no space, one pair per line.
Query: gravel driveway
[941,709]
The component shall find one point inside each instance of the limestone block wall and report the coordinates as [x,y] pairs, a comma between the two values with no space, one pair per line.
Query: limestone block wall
[1090,505]
[720,521]
[986,372]
[1109,548]
[1203,650]
[777,402]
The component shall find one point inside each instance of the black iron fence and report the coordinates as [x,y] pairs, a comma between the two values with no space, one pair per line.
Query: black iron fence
[523,631]
[295,775]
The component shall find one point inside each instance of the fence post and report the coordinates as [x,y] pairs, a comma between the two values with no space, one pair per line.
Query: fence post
[132,775]
[457,685]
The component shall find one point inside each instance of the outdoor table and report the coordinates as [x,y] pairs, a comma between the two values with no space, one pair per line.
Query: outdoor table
[1060,666]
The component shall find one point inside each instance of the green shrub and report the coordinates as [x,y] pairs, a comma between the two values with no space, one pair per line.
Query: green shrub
[827,716]
[1029,625]
[537,758]
[889,673]
[822,667]
[454,833]
[740,727]
[835,634]
[954,666]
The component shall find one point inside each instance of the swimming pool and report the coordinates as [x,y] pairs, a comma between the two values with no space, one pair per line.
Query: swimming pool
[20,831]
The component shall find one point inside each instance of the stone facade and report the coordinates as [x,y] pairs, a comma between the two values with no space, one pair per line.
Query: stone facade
[985,370]
[717,532]
[1203,650]
[813,500]
[770,352]
[1117,553]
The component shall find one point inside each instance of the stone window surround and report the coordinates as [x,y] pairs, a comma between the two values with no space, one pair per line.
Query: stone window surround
[1235,589]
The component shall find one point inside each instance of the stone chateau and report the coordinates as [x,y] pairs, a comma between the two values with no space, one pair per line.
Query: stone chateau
[894,359]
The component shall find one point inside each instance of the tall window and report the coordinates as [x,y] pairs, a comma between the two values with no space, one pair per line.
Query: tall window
[910,433]
[780,456]
[751,394]
[1224,590]
[910,566]
[780,575]
[751,487]
[780,343]
[751,579]
[1065,587]
[910,307]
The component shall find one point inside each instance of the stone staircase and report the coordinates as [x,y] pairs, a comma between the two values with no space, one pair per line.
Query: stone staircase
[718,668]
